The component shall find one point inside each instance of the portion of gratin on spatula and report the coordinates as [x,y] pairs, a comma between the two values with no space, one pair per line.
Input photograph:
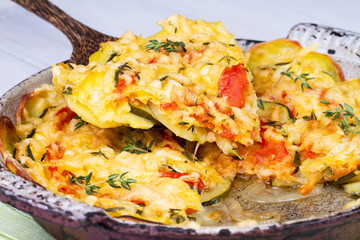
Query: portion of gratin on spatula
[191,77]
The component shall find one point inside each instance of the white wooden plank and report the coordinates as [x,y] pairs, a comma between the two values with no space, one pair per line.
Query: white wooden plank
[13,71]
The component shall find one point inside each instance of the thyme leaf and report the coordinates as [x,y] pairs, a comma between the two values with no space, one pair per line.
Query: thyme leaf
[132,148]
[311,117]
[228,59]
[237,155]
[190,156]
[304,77]
[168,46]
[29,152]
[67,90]
[342,114]
[80,123]
[192,128]
[99,153]
[31,133]
[120,71]
[296,160]
[260,104]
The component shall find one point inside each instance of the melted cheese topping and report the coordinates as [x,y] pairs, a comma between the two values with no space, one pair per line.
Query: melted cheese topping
[55,148]
[314,147]
[185,83]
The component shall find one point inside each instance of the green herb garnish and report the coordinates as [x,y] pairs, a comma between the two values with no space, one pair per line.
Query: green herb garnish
[304,77]
[192,128]
[80,123]
[29,152]
[237,155]
[112,56]
[274,124]
[168,46]
[163,78]
[228,59]
[344,112]
[174,214]
[91,188]
[31,133]
[190,156]
[120,71]
[325,102]
[99,153]
[67,90]
[296,160]
[311,117]
[282,63]
[212,116]
[132,148]
[43,113]
[260,104]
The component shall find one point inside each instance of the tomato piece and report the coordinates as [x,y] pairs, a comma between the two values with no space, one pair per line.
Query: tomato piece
[232,83]
[72,190]
[204,119]
[120,86]
[175,175]
[65,114]
[153,60]
[190,211]
[172,174]
[310,154]
[169,106]
[275,151]
[227,133]
[55,151]
[53,168]
[139,202]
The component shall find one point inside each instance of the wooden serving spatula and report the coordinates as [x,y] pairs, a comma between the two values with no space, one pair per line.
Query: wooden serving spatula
[84,39]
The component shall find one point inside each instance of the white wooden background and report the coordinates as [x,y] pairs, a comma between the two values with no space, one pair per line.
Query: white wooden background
[29,44]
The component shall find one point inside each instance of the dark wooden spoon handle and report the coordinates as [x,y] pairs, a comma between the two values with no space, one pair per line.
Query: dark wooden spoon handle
[84,40]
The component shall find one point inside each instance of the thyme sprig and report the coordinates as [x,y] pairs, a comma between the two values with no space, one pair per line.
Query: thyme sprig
[304,77]
[133,148]
[80,123]
[345,112]
[91,188]
[168,46]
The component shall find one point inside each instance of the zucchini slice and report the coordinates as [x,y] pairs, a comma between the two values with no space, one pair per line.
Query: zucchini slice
[343,179]
[142,111]
[274,111]
[216,194]
[194,134]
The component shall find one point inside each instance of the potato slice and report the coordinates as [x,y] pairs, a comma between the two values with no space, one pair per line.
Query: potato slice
[274,52]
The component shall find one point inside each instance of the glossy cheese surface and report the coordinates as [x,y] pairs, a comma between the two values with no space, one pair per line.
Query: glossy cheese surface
[198,76]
